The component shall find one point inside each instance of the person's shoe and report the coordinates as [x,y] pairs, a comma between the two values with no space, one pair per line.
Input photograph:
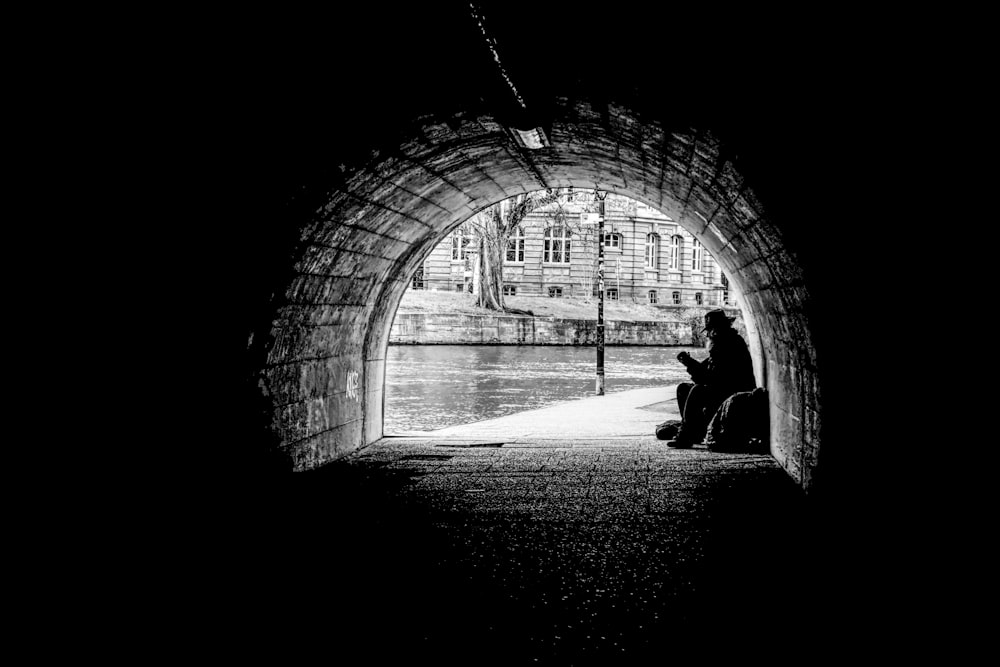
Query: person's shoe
[667,430]
[680,444]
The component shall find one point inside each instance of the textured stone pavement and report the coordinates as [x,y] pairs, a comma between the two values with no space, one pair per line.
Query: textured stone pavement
[513,541]
[608,551]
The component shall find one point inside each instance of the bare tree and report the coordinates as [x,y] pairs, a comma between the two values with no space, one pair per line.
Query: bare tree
[493,228]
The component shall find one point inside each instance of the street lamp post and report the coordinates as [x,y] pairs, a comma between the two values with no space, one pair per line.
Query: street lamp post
[600,195]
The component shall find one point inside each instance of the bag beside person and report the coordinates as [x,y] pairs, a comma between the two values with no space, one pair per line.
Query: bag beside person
[741,424]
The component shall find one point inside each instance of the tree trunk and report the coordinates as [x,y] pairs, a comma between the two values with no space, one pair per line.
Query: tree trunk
[490,274]
[494,227]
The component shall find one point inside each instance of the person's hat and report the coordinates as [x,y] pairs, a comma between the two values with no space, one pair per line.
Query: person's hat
[715,319]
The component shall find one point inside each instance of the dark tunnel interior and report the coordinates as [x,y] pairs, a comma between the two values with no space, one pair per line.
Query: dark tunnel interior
[338,149]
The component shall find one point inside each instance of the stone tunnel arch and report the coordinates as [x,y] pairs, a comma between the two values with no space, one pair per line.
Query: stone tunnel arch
[322,377]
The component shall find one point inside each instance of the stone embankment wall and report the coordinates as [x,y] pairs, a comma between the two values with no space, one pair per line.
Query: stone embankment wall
[454,329]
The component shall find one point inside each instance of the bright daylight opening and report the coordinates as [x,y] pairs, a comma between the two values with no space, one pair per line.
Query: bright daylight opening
[497,333]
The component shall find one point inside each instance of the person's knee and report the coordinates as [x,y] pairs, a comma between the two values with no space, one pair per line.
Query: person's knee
[697,393]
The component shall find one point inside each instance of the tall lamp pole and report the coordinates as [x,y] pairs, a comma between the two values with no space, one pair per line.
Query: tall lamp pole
[600,195]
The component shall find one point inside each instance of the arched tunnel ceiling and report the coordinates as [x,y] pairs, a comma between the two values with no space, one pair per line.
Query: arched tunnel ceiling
[307,113]
[360,247]
[399,207]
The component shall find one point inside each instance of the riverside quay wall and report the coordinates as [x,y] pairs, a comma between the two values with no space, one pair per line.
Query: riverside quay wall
[456,329]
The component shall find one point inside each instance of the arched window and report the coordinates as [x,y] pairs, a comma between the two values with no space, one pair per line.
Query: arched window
[652,248]
[557,241]
[510,290]
[676,297]
[698,299]
[696,263]
[515,246]
[612,241]
[555,292]
[675,252]
[652,296]
[418,279]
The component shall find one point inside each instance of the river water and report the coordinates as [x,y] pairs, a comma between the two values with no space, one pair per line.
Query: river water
[434,386]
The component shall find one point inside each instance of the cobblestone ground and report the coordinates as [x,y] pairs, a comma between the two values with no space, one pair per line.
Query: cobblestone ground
[553,552]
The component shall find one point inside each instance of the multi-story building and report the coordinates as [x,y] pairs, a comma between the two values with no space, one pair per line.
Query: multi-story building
[648,257]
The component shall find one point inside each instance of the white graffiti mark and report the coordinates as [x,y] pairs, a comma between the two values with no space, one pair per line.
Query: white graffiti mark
[352,385]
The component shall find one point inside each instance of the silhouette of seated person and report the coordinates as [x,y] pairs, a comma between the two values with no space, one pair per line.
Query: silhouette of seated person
[727,370]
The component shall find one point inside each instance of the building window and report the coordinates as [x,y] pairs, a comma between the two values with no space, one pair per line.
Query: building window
[725,297]
[555,292]
[675,252]
[612,241]
[459,245]
[696,256]
[698,299]
[612,294]
[652,248]
[459,287]
[652,296]
[676,297]
[557,242]
[725,281]
[418,279]
[510,290]
[515,246]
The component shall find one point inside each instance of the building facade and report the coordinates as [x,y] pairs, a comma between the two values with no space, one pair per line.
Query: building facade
[648,257]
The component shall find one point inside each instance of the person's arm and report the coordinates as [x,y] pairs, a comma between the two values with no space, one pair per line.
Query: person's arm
[695,368]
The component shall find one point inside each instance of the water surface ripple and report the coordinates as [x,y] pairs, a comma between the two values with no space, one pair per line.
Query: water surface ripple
[434,386]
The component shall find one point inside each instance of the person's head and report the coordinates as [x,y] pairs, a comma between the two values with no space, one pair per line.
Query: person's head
[716,322]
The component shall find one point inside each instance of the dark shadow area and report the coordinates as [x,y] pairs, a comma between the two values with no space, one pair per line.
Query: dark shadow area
[353,556]
[268,561]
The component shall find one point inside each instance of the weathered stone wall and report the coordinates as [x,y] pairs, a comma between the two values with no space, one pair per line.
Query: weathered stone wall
[456,329]
[325,361]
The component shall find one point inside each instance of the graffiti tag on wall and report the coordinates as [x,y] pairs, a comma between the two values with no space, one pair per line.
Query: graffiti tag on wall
[352,385]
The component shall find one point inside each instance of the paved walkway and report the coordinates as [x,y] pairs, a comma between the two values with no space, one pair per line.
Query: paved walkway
[566,535]
[458,550]
[633,413]
[511,542]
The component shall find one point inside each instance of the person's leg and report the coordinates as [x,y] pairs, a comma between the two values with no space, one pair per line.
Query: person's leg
[668,429]
[683,389]
[701,404]
[693,418]
[693,428]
